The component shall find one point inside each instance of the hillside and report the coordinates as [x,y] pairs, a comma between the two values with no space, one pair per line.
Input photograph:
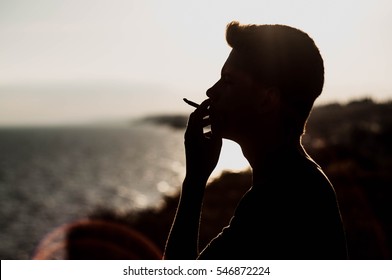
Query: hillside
[350,142]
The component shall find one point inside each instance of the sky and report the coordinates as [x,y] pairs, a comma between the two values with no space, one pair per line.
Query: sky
[81,61]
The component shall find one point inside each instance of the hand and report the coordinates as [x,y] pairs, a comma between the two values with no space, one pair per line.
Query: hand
[202,149]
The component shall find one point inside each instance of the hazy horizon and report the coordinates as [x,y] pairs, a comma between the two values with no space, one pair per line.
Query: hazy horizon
[90,60]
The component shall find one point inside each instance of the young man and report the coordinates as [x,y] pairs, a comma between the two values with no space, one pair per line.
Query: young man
[262,101]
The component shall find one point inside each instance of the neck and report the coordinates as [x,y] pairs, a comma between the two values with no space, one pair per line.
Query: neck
[260,152]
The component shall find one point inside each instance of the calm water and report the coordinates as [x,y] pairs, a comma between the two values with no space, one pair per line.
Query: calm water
[52,176]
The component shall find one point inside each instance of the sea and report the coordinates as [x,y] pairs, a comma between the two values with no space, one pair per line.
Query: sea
[53,176]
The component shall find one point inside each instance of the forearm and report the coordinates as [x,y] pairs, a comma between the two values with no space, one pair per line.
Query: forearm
[182,242]
[202,154]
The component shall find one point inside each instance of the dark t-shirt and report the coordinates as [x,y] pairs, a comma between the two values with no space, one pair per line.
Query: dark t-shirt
[291,214]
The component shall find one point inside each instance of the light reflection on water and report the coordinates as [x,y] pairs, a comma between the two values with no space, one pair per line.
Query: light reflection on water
[52,176]
[49,177]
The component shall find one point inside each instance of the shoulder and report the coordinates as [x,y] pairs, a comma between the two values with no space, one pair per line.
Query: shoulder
[303,175]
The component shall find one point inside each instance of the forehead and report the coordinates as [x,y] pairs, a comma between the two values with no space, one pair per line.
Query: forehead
[235,66]
[233,63]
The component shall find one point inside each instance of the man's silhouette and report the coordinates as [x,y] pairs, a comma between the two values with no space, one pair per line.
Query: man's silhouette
[262,101]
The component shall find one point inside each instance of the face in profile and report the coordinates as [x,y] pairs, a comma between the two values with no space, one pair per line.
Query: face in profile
[234,100]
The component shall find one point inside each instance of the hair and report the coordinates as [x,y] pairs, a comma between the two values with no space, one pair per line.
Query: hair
[283,57]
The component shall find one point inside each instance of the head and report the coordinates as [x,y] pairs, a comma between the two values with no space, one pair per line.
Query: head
[275,71]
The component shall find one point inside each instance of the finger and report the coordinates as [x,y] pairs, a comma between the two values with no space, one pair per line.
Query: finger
[200,117]
[206,121]
[195,126]
[202,110]
[208,135]
[198,120]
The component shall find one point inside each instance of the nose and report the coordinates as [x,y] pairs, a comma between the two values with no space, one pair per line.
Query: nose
[212,91]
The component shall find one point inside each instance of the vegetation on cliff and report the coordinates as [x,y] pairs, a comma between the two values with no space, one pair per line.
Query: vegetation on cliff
[351,142]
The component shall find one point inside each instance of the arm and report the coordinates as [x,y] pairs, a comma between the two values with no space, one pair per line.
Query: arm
[202,154]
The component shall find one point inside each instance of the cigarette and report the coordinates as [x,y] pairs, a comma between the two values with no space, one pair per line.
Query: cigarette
[193,104]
